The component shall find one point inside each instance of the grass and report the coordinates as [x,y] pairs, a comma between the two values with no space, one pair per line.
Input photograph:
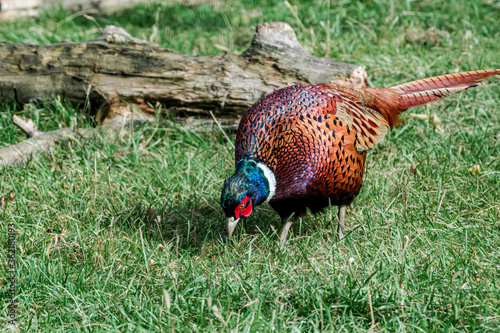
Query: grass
[127,234]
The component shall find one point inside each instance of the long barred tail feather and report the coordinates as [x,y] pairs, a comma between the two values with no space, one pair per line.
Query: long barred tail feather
[427,90]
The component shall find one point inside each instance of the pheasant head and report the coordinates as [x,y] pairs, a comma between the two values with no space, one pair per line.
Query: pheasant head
[252,184]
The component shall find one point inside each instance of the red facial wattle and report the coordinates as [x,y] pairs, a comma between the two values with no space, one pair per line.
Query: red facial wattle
[244,208]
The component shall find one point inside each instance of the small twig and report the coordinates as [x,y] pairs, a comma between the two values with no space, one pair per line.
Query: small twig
[85,107]
[441,202]
[27,127]
[371,307]
[41,142]
[405,241]
[202,124]
[75,15]
[220,127]
[296,17]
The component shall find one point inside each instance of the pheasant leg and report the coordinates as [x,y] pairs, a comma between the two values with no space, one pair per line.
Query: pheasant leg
[284,232]
[341,226]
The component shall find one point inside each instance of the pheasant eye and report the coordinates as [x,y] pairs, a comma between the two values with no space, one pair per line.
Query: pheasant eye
[244,208]
[244,202]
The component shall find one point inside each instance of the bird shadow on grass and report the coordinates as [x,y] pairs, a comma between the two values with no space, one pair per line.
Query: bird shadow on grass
[190,227]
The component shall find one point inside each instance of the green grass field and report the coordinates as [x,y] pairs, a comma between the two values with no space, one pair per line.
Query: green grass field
[93,255]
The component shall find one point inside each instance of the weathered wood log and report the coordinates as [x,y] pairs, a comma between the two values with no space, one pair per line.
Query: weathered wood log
[41,142]
[123,71]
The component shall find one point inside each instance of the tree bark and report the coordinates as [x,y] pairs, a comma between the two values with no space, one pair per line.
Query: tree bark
[116,72]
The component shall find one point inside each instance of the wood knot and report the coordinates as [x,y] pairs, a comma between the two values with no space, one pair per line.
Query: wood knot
[275,37]
[116,35]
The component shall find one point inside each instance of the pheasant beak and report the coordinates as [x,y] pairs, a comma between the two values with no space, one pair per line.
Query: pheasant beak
[231,224]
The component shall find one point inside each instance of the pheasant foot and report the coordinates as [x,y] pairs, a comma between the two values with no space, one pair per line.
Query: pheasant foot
[341,225]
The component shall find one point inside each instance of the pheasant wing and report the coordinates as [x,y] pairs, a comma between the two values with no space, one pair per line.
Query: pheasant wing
[365,124]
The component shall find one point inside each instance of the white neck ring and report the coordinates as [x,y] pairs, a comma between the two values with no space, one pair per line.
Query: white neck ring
[268,173]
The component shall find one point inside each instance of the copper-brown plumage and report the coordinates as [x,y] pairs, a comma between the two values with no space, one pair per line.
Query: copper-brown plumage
[314,138]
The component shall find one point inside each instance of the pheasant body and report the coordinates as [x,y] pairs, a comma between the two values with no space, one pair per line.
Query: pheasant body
[308,143]
[305,145]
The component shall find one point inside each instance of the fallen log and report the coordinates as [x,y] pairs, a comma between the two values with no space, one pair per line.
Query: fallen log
[124,72]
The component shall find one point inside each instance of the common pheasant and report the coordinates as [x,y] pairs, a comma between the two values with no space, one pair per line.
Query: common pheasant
[304,147]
